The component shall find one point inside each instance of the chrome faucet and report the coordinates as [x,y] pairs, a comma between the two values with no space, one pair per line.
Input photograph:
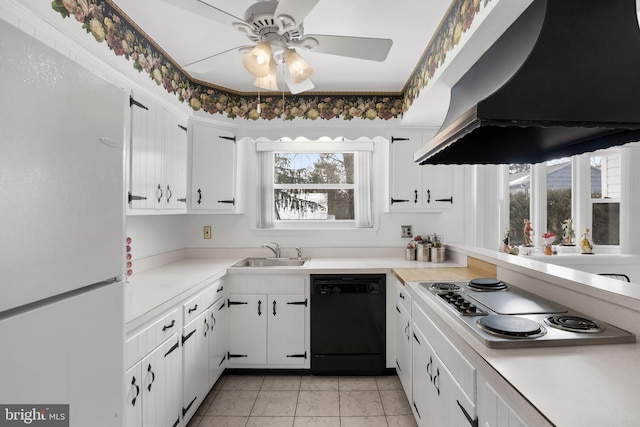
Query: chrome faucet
[275,248]
[299,252]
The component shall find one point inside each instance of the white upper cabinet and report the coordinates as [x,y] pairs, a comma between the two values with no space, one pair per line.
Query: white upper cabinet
[412,187]
[157,158]
[214,169]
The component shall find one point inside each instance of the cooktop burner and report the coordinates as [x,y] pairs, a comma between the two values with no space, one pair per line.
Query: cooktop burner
[573,323]
[486,284]
[511,326]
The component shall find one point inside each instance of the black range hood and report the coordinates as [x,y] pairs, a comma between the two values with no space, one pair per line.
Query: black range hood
[564,79]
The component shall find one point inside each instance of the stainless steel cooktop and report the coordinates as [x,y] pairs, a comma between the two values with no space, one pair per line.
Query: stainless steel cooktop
[504,316]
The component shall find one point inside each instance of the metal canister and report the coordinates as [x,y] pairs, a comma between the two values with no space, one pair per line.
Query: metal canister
[437,254]
[423,252]
[410,254]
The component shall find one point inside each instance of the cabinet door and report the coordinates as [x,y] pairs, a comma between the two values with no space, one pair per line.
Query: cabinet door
[437,187]
[493,410]
[172,380]
[195,362]
[247,328]
[422,375]
[175,162]
[153,388]
[133,396]
[285,329]
[405,186]
[213,173]
[218,340]
[145,152]
[403,348]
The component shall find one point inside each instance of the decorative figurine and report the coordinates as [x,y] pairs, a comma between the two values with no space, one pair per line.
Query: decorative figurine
[548,241]
[567,232]
[506,246]
[527,233]
[585,244]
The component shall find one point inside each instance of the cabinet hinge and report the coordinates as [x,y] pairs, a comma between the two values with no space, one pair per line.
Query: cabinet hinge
[416,338]
[185,338]
[172,349]
[302,355]
[222,361]
[131,197]
[228,138]
[230,303]
[417,412]
[298,302]
[399,200]
[184,128]
[177,421]
[185,410]
[133,102]
[230,202]
[394,139]
[472,421]
[450,200]
[231,356]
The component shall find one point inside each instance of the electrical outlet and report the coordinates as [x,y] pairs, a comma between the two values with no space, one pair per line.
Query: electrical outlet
[207,231]
[407,230]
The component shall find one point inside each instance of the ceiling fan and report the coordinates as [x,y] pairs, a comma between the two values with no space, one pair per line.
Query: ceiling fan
[276,28]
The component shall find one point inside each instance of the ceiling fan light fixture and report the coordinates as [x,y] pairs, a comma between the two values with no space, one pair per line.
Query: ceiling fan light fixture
[298,68]
[268,82]
[257,60]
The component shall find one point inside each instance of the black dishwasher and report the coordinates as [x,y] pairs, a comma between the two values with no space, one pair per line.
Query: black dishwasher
[348,329]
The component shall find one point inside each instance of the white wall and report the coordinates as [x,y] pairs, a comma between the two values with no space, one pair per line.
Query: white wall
[155,234]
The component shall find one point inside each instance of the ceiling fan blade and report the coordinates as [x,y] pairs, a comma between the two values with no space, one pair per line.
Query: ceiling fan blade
[299,87]
[204,9]
[209,63]
[291,13]
[372,49]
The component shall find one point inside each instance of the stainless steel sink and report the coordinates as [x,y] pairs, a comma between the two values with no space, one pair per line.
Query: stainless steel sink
[272,262]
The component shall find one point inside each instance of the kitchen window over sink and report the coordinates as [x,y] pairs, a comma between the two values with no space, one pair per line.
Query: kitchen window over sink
[315,184]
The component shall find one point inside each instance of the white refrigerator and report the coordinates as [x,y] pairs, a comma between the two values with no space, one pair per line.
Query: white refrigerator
[61,237]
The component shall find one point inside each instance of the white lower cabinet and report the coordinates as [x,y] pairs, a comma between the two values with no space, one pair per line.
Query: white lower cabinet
[195,364]
[403,339]
[444,382]
[268,329]
[153,387]
[218,340]
[493,410]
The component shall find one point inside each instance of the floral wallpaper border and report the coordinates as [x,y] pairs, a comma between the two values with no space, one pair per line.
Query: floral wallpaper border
[103,20]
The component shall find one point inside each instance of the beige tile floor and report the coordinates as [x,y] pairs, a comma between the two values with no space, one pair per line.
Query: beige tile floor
[301,401]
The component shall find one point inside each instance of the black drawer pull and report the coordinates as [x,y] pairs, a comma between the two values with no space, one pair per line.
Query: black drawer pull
[194,308]
[165,327]
[153,376]
[220,289]
[133,383]
[274,307]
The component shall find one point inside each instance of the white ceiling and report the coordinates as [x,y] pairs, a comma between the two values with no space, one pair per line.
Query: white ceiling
[187,38]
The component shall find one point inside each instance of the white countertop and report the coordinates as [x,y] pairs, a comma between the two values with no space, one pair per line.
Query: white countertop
[594,385]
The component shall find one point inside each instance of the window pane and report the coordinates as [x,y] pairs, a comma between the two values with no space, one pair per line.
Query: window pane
[295,204]
[606,223]
[519,201]
[313,168]
[558,195]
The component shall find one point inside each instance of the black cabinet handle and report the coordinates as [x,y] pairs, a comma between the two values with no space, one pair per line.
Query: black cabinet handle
[153,376]
[192,309]
[406,331]
[199,196]
[398,201]
[220,289]
[165,327]
[428,196]
[302,355]
[169,194]
[298,302]
[259,305]
[133,383]
[185,338]
[415,196]
[474,423]
[159,193]
[450,200]
[436,380]
[401,295]
[231,202]
[207,327]
[172,349]
[274,307]
[429,368]
[185,410]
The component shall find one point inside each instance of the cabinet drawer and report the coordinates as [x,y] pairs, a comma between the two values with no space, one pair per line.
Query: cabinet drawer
[403,297]
[460,368]
[197,304]
[150,337]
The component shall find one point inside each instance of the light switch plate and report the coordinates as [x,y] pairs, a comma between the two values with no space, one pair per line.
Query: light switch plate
[207,231]
[407,230]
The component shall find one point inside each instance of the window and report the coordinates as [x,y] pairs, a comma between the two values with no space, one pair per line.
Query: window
[605,199]
[519,201]
[315,184]
[559,183]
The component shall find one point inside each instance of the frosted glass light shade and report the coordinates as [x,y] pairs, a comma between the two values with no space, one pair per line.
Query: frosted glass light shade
[268,82]
[298,68]
[257,61]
